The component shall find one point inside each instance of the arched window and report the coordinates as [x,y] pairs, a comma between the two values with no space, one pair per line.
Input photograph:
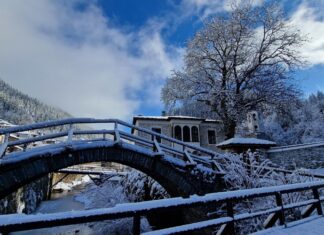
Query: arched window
[186,134]
[178,133]
[194,134]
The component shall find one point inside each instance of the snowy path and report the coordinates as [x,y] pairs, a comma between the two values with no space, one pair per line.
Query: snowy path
[310,226]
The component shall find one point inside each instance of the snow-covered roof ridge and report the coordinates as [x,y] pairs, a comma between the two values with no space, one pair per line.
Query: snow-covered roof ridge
[174,117]
[248,141]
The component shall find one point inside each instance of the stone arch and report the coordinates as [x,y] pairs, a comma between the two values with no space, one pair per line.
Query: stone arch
[24,167]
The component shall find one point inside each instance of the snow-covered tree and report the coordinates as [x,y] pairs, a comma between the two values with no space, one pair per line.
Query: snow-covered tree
[251,170]
[140,187]
[19,108]
[238,62]
[300,123]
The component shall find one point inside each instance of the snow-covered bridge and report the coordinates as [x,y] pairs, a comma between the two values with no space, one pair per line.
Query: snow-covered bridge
[191,170]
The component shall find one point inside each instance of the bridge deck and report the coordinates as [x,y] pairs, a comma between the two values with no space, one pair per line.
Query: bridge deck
[310,226]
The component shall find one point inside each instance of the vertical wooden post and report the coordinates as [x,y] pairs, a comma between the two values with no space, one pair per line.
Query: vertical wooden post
[281,212]
[154,145]
[318,203]
[70,134]
[50,183]
[136,224]
[230,213]
[3,146]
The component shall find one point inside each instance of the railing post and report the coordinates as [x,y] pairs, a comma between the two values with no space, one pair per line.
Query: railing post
[116,135]
[25,147]
[3,146]
[189,161]
[281,213]
[230,213]
[136,224]
[318,203]
[70,134]
[156,148]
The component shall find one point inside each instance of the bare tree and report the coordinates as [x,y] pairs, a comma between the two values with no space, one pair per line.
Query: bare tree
[239,62]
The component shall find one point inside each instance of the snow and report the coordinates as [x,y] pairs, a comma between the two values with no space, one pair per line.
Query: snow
[69,186]
[295,147]
[248,141]
[143,207]
[190,227]
[310,226]
[174,117]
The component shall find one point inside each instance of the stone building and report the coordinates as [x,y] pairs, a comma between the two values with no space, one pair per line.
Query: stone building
[197,131]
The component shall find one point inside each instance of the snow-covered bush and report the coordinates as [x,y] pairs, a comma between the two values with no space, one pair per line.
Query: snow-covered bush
[251,170]
[140,187]
[106,195]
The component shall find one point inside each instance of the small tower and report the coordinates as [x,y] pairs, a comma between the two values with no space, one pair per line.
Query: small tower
[253,122]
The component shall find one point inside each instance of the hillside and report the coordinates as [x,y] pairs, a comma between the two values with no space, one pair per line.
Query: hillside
[19,108]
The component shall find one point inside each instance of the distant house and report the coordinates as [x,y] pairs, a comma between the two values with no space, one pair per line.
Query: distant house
[15,136]
[197,131]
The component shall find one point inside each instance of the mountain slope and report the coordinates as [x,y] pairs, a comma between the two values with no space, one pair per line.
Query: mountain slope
[19,108]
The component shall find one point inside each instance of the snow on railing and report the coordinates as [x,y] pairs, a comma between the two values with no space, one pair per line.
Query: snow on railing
[188,153]
[294,147]
[14,222]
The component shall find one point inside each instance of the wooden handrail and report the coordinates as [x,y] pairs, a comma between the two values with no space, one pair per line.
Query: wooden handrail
[76,121]
[116,133]
[15,222]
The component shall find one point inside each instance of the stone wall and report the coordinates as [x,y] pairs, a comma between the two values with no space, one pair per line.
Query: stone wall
[27,198]
[298,156]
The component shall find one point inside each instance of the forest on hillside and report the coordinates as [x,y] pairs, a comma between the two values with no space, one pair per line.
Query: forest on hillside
[19,108]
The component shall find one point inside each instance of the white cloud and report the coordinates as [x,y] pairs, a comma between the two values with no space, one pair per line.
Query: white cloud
[310,20]
[75,60]
[206,8]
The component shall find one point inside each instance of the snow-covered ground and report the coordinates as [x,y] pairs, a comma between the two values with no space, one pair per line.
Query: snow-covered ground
[309,226]
[86,195]
[69,186]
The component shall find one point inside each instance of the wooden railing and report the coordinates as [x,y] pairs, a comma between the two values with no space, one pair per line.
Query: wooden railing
[187,152]
[227,223]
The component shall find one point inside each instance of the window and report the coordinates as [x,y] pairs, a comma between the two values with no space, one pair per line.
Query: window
[178,133]
[211,137]
[186,134]
[194,134]
[157,130]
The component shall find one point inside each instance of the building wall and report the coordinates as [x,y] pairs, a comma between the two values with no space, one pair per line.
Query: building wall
[166,129]
[204,127]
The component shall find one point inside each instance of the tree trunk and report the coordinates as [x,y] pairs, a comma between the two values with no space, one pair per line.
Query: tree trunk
[229,129]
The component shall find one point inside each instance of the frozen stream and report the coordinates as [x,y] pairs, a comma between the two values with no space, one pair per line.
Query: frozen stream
[87,196]
[60,202]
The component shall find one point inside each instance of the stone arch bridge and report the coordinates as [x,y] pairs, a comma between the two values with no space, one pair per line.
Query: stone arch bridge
[191,170]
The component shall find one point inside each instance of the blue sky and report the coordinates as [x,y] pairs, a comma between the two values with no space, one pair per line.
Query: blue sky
[110,58]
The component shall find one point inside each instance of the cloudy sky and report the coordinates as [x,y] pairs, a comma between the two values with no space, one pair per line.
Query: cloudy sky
[110,58]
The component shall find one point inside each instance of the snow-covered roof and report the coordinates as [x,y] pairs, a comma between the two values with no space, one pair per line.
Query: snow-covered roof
[237,141]
[5,123]
[168,118]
